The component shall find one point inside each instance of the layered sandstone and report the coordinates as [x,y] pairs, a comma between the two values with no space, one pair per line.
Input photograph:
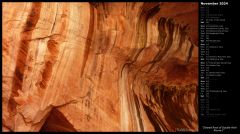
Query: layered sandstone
[100,66]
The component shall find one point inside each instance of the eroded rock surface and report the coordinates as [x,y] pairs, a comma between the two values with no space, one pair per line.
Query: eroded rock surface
[100,66]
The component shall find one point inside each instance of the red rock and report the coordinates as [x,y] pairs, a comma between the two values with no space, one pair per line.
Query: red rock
[100,66]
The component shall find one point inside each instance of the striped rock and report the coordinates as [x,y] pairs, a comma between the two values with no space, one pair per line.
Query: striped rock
[100,66]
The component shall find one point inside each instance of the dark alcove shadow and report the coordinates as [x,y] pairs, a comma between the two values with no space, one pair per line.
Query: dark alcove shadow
[57,122]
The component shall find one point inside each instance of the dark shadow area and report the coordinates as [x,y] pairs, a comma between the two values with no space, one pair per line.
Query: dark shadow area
[57,122]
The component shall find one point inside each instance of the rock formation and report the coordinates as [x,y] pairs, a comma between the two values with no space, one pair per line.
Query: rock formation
[100,66]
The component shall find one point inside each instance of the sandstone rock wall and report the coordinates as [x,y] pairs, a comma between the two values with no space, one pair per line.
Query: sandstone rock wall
[100,66]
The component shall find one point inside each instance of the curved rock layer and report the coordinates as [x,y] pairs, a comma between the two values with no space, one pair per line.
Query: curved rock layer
[100,66]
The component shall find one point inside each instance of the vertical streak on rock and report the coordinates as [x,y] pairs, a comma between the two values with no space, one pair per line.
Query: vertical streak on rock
[52,46]
[168,40]
[190,53]
[142,27]
[124,102]
[152,118]
[183,33]
[140,122]
[89,39]
[26,36]
[54,22]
